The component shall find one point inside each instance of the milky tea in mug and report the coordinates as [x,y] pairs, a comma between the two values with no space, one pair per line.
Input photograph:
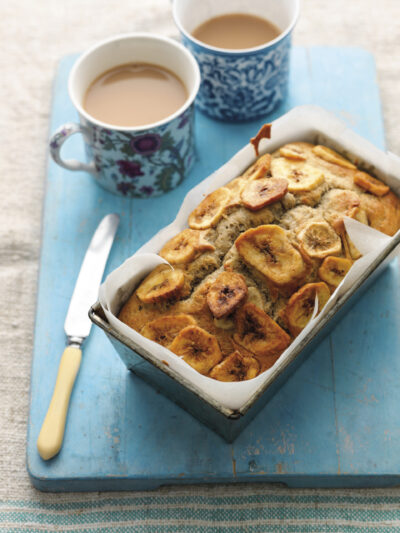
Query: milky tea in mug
[134,94]
[236,31]
[245,71]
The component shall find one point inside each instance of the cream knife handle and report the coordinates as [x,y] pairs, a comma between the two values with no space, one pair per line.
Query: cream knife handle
[51,435]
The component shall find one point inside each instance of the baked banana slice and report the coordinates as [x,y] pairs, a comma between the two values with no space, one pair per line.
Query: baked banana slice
[165,328]
[236,367]
[334,269]
[300,307]
[262,192]
[350,250]
[226,293]
[370,184]
[260,168]
[184,247]
[198,348]
[268,249]
[258,333]
[301,176]
[235,186]
[327,154]
[210,210]
[164,283]
[318,240]
[292,151]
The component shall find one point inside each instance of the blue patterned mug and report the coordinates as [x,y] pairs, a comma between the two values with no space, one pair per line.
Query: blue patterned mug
[141,161]
[239,84]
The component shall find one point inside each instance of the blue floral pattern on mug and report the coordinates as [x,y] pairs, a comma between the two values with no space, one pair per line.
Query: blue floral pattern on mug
[142,164]
[242,86]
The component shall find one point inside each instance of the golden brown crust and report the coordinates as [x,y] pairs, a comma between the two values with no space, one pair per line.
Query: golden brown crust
[256,255]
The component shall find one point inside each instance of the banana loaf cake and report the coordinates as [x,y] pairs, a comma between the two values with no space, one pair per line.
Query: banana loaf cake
[242,279]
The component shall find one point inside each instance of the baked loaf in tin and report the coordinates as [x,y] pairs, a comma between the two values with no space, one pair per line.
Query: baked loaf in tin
[244,276]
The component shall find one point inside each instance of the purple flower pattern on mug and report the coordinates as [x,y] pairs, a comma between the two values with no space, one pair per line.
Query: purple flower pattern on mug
[56,142]
[146,190]
[143,164]
[129,168]
[146,144]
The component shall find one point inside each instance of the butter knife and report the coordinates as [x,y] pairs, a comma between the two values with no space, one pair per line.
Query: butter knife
[77,327]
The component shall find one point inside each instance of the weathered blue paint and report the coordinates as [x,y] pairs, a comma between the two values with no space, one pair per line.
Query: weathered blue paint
[334,423]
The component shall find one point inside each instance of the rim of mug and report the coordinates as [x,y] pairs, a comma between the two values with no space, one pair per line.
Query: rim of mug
[150,36]
[239,51]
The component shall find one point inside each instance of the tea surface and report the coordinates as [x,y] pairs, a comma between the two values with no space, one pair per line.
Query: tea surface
[134,94]
[236,31]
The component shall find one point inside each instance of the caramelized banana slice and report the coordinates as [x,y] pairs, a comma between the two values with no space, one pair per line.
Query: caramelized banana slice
[260,168]
[258,333]
[339,227]
[184,247]
[164,283]
[236,367]
[334,269]
[198,348]
[352,251]
[300,307]
[268,249]
[332,157]
[264,191]
[236,187]
[226,293]
[318,240]
[165,328]
[301,176]
[370,184]
[210,210]
[292,151]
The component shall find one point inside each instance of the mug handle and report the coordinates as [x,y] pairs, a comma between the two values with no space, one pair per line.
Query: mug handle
[58,139]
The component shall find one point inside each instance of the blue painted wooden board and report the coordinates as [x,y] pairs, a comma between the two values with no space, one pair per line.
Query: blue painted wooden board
[335,423]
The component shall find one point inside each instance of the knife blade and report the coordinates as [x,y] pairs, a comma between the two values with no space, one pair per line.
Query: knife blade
[77,327]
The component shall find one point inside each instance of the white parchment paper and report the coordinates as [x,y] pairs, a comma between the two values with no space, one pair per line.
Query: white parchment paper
[308,123]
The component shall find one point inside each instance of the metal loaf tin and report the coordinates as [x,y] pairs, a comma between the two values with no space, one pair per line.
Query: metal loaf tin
[228,422]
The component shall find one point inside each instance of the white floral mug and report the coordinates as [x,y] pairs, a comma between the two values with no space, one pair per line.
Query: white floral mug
[239,85]
[140,161]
